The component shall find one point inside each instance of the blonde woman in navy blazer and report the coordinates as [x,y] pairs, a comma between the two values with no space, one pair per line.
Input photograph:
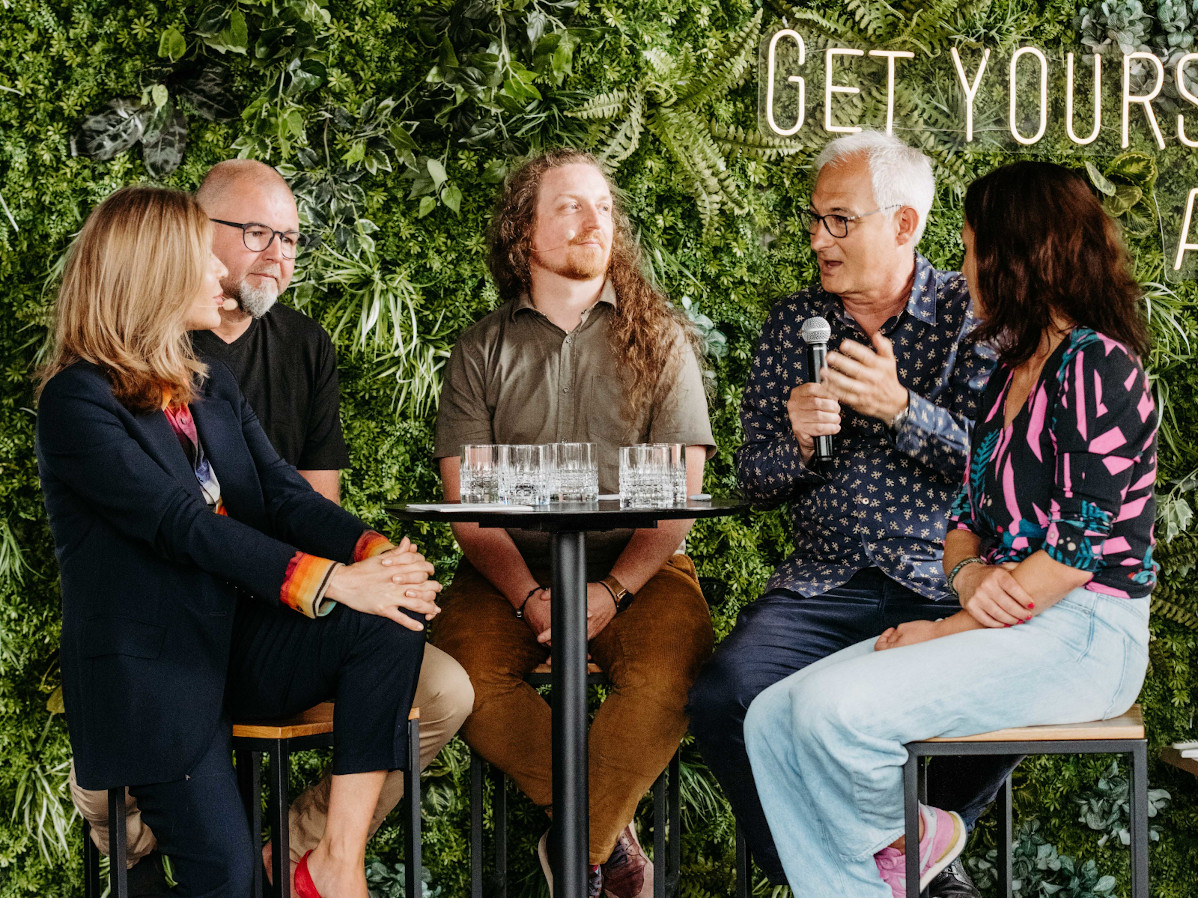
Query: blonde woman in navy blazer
[202,578]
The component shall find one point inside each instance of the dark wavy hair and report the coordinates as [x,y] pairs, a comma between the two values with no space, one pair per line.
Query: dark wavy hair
[1044,244]
[646,332]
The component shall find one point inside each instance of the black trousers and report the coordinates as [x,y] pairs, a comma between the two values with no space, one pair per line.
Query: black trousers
[282,663]
[782,633]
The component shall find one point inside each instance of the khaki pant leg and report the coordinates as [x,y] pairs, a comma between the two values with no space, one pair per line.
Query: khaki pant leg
[444,697]
[652,653]
[510,724]
[93,805]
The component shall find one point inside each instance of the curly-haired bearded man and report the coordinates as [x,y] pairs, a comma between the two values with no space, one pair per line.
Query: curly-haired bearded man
[582,350]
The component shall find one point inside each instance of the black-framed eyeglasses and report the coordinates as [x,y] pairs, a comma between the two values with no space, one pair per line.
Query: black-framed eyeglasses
[838,225]
[257,237]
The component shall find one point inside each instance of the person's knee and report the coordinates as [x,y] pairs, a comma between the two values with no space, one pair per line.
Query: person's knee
[720,695]
[445,694]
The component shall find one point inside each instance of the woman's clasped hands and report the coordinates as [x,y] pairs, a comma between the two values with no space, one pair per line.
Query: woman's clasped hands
[400,578]
[992,595]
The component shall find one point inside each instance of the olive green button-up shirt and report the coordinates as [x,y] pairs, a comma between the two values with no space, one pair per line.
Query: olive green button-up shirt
[515,377]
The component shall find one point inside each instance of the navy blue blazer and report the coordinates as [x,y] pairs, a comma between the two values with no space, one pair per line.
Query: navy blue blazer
[151,576]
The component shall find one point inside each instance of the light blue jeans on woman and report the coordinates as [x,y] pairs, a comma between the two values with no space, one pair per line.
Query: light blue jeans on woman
[828,743]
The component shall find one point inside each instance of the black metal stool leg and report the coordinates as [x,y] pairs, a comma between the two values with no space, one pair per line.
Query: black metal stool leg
[911,777]
[91,863]
[674,848]
[476,825]
[118,875]
[413,862]
[659,835]
[280,766]
[249,787]
[499,816]
[742,865]
[1005,841]
[1138,793]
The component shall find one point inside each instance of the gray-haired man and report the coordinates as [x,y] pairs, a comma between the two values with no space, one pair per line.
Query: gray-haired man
[903,379]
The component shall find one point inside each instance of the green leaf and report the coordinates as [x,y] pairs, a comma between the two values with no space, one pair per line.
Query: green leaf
[495,171]
[427,205]
[235,36]
[1138,168]
[159,94]
[54,704]
[1099,180]
[452,197]
[1126,196]
[356,154]
[172,45]
[437,172]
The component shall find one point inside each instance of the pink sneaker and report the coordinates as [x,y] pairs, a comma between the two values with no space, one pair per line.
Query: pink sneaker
[943,839]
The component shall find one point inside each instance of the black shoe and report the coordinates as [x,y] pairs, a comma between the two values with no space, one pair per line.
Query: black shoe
[147,878]
[953,882]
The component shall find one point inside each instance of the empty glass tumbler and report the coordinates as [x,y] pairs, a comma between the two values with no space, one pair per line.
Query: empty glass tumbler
[478,474]
[645,477]
[525,474]
[576,477]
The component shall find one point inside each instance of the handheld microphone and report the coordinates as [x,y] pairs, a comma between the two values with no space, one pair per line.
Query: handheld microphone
[816,333]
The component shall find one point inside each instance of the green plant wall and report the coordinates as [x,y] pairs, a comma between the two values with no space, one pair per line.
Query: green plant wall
[395,122]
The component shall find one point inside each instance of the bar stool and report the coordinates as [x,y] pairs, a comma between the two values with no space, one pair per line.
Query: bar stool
[1122,735]
[667,812]
[118,876]
[278,739]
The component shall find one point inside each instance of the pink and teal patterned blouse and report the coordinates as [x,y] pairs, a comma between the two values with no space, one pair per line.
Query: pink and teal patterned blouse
[1073,474]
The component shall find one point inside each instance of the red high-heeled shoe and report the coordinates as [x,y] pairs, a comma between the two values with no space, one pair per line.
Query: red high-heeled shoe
[304,886]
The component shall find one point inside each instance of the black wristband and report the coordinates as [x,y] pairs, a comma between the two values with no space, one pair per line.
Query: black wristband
[531,593]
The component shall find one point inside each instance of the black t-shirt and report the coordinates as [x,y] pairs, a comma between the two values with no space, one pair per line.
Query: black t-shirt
[287,368]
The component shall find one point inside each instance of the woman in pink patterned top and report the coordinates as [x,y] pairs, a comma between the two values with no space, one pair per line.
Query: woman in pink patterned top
[1049,551]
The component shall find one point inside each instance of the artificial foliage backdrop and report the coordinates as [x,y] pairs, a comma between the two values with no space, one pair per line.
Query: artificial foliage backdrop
[395,122]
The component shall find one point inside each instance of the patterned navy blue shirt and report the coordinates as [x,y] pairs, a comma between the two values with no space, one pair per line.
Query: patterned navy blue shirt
[883,499]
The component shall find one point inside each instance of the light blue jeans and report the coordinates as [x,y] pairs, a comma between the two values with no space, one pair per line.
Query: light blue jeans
[828,743]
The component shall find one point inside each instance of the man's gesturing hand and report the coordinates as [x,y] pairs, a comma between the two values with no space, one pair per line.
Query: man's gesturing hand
[813,412]
[866,380]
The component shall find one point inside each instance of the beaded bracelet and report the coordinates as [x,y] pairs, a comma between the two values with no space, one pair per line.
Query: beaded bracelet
[952,576]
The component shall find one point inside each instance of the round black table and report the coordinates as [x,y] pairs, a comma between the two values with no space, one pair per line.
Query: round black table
[567,524]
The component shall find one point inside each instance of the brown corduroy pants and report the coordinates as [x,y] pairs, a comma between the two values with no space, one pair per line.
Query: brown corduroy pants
[651,652]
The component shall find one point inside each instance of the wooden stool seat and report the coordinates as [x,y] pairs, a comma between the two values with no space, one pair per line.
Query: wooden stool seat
[1125,726]
[278,738]
[316,721]
[1121,735]
[1172,756]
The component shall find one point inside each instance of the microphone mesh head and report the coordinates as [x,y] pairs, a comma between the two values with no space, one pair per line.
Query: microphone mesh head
[816,330]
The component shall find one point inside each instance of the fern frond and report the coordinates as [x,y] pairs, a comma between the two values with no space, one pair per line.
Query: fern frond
[1180,554]
[876,19]
[1167,603]
[623,139]
[931,26]
[672,131]
[734,139]
[601,106]
[832,24]
[704,150]
[728,68]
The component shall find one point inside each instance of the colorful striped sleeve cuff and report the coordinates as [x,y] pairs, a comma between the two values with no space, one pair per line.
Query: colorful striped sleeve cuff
[305,584]
[371,543]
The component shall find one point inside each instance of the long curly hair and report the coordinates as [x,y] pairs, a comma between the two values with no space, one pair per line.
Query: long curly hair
[1044,244]
[647,334]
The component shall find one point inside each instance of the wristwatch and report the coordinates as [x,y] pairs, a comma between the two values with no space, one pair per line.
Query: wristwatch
[619,593]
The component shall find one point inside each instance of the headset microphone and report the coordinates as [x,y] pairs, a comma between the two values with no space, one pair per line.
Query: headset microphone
[570,235]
